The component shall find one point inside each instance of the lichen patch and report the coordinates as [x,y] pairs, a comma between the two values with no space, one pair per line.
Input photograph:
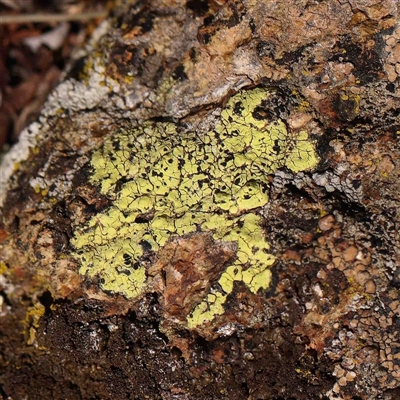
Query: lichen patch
[167,184]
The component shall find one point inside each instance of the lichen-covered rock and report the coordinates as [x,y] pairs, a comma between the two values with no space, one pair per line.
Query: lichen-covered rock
[166,183]
[207,209]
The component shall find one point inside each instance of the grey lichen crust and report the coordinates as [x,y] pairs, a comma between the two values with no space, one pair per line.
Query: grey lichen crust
[69,97]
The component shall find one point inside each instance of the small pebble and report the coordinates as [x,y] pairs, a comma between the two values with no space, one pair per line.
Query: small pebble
[326,223]
[370,287]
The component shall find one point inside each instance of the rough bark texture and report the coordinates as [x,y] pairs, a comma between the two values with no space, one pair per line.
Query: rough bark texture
[208,208]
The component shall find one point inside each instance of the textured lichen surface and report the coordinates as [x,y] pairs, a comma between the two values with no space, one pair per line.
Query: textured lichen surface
[167,183]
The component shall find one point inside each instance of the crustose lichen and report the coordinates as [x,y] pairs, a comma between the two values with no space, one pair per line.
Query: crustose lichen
[186,182]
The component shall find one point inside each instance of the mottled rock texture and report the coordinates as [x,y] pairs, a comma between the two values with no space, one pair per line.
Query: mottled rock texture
[208,208]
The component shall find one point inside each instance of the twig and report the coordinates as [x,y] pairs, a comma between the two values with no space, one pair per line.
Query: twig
[28,18]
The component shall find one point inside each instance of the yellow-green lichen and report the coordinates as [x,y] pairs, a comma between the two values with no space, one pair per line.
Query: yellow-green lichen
[31,321]
[168,183]
[3,267]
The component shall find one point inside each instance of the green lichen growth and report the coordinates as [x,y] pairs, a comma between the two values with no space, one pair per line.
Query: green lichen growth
[169,183]
[3,267]
[32,320]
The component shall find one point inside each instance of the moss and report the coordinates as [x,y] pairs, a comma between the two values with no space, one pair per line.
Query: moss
[186,182]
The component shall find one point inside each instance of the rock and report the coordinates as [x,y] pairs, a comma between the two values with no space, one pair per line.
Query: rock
[207,208]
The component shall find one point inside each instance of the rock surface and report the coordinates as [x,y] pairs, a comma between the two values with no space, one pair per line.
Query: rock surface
[208,208]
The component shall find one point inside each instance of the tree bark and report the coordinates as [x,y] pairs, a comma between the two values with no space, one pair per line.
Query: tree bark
[208,208]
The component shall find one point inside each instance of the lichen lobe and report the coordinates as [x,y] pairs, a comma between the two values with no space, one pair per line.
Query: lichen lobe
[187,182]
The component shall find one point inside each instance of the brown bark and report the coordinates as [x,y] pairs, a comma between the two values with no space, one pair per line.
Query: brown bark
[281,280]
